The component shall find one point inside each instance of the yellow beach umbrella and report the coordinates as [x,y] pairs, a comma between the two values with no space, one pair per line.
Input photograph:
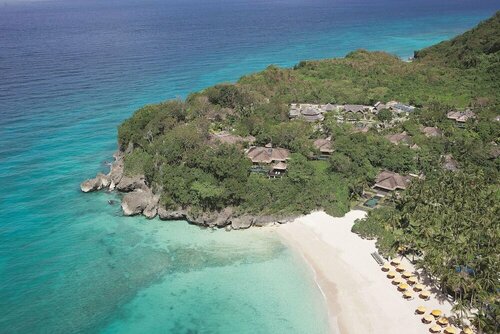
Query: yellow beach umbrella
[396,262]
[412,280]
[407,295]
[400,268]
[428,319]
[436,313]
[424,295]
[403,286]
[391,274]
[467,330]
[406,274]
[386,267]
[442,321]
[419,287]
[397,281]
[450,330]
[436,329]
[421,310]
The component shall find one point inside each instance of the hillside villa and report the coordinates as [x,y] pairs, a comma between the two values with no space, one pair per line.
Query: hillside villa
[461,116]
[431,131]
[324,146]
[268,155]
[388,182]
[315,112]
[399,138]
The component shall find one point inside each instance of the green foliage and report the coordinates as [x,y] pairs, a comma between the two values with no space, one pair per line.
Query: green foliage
[448,221]
[384,115]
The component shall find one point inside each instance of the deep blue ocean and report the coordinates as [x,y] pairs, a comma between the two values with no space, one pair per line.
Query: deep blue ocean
[71,71]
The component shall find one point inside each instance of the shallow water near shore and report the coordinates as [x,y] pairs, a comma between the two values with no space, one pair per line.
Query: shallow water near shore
[71,71]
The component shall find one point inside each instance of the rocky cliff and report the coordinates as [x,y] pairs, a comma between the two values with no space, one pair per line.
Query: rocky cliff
[140,199]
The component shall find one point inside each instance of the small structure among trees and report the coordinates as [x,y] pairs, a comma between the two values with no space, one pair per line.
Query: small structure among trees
[387,182]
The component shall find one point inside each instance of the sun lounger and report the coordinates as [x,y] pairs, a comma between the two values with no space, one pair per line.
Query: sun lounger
[377,258]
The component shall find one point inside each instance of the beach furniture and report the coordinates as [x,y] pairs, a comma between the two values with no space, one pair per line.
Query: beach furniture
[403,286]
[397,281]
[436,313]
[412,280]
[420,310]
[406,274]
[435,329]
[419,287]
[377,258]
[395,262]
[425,295]
[450,330]
[400,268]
[408,295]
[391,274]
[442,321]
[427,319]
[386,267]
[467,330]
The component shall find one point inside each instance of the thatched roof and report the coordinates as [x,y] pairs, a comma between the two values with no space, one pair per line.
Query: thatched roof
[268,155]
[354,108]
[324,145]
[431,131]
[461,116]
[391,181]
[399,138]
[280,166]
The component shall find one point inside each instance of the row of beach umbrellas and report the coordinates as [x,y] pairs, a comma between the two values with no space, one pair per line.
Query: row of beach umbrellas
[412,283]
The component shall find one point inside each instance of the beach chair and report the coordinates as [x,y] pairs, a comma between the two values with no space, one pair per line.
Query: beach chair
[377,258]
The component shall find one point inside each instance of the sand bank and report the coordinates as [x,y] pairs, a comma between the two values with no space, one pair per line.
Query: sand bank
[360,298]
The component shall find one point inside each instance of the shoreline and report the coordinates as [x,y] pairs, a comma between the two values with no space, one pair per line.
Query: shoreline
[358,296]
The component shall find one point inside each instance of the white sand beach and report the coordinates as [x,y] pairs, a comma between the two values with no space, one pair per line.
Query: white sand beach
[360,298]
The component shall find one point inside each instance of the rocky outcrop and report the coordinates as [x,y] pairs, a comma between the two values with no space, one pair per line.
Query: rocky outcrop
[140,199]
[140,202]
[117,168]
[127,184]
[242,222]
[97,183]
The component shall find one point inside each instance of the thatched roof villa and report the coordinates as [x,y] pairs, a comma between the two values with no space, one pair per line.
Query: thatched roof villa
[387,181]
[324,146]
[268,154]
[431,131]
[461,116]
[399,138]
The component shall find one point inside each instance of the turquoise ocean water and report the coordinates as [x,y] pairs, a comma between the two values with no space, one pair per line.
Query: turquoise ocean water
[71,71]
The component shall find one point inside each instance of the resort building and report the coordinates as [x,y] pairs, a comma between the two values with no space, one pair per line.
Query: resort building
[402,108]
[277,171]
[431,131]
[324,146]
[267,155]
[262,157]
[378,107]
[461,116]
[309,112]
[399,138]
[387,182]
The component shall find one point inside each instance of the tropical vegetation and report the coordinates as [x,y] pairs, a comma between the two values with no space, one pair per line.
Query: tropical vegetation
[448,222]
